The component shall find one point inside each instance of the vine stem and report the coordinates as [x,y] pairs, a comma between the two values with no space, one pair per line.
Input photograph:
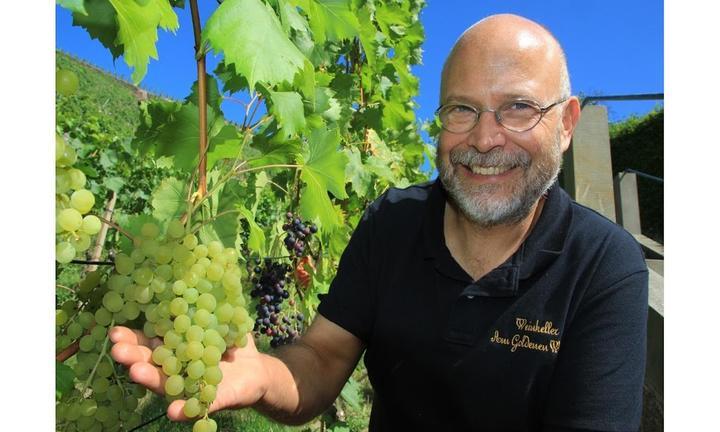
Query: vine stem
[117,227]
[100,357]
[202,100]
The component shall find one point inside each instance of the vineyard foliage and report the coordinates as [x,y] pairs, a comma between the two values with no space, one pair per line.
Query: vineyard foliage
[338,129]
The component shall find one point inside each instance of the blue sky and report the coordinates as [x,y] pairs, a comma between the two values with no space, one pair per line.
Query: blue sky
[613,47]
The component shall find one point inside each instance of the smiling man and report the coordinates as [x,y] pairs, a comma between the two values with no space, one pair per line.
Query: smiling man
[486,300]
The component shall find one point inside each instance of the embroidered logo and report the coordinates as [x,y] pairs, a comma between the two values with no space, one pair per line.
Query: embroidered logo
[523,340]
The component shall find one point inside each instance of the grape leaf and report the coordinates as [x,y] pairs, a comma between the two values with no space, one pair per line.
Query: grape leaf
[330,19]
[291,18]
[356,173]
[287,107]
[180,136]
[256,239]
[64,376]
[169,199]
[275,153]
[227,144]
[114,183]
[368,36]
[137,31]
[326,105]
[100,24]
[214,98]
[76,6]
[232,82]
[250,35]
[351,393]
[133,224]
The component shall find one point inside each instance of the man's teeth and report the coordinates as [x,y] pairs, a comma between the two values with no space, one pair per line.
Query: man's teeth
[489,170]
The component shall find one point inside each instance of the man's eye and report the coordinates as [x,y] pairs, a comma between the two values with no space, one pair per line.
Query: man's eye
[460,109]
[518,106]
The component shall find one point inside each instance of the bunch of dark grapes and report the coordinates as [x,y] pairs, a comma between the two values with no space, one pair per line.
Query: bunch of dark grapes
[298,234]
[270,289]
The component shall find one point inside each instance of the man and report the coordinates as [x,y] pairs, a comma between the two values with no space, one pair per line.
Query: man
[487,300]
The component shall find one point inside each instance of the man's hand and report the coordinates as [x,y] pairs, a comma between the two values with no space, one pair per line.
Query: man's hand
[245,376]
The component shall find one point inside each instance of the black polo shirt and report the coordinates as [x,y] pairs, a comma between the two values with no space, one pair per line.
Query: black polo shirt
[553,339]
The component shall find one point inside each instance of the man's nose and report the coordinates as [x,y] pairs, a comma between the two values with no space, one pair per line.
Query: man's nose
[487,133]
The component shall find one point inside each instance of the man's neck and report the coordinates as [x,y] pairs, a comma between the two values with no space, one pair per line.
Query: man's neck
[478,250]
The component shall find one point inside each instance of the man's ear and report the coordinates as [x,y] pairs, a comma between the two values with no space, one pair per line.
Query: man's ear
[570,118]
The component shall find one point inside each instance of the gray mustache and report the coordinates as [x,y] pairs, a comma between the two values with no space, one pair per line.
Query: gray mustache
[494,157]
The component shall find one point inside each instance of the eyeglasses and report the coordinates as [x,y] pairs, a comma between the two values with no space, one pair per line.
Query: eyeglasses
[516,116]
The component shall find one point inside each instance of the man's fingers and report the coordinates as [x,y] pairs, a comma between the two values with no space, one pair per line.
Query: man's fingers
[148,376]
[129,353]
[124,334]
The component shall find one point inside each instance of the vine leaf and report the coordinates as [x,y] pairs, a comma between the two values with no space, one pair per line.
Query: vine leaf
[287,107]
[169,199]
[256,239]
[356,173]
[99,22]
[322,172]
[291,18]
[250,35]
[330,19]
[76,6]
[64,376]
[227,144]
[137,31]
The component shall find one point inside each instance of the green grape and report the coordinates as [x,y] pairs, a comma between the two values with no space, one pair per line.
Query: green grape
[149,329]
[124,264]
[137,256]
[194,350]
[207,394]
[215,272]
[224,312]
[114,393]
[195,369]
[81,241]
[202,317]
[179,287]
[103,317]
[66,82]
[190,278]
[74,330]
[59,147]
[68,157]
[104,369]
[172,339]
[100,385]
[192,386]
[182,323]
[175,229]
[215,249]
[142,276]
[150,230]
[61,317]
[200,251]
[158,285]
[149,247]
[205,425]
[222,329]
[195,333]
[174,385]
[63,184]
[178,306]
[181,351]
[86,319]
[161,353]
[143,294]
[191,295]
[82,200]
[87,343]
[77,178]
[64,252]
[112,301]
[191,408]
[163,254]
[211,355]
[130,310]
[163,272]
[207,302]
[190,241]
[231,255]
[204,286]
[212,375]
[69,219]
[171,365]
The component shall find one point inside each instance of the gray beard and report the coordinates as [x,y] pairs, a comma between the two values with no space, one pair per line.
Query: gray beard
[480,204]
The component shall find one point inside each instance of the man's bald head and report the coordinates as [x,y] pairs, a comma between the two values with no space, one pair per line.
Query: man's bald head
[511,41]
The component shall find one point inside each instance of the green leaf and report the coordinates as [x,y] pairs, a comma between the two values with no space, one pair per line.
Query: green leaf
[287,107]
[133,224]
[330,19]
[169,200]
[64,377]
[232,82]
[305,81]
[227,144]
[276,153]
[326,105]
[324,162]
[356,173]
[368,36]
[114,183]
[291,18]
[214,98]
[137,31]
[100,23]
[179,137]
[351,393]
[250,36]
[75,6]
[256,240]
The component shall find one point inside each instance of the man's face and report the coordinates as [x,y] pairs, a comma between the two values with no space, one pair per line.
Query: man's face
[494,175]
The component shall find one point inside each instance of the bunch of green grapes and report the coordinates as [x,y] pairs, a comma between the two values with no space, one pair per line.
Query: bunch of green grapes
[104,398]
[75,227]
[190,296]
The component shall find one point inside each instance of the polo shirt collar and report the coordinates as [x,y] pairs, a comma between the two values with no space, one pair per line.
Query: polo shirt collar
[543,245]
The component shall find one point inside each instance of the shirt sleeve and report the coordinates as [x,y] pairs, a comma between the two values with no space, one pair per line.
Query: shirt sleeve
[350,300]
[597,384]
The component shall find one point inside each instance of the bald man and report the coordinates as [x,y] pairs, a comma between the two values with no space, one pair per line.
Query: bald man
[486,300]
